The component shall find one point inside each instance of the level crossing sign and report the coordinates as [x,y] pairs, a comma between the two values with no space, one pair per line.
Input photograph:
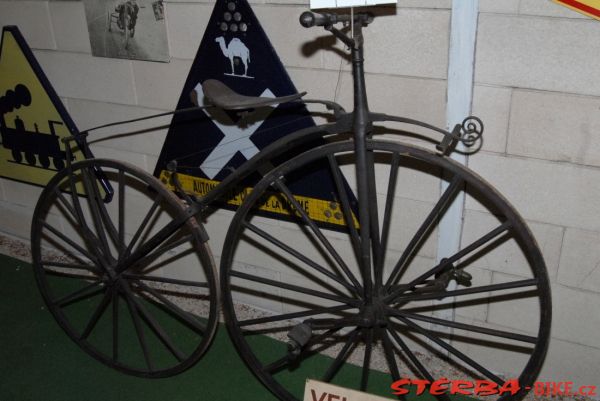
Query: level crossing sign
[212,143]
[33,120]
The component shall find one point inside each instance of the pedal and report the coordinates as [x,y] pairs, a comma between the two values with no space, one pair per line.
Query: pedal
[298,336]
[463,278]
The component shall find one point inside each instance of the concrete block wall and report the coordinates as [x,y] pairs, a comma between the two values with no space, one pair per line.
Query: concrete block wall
[99,90]
[535,87]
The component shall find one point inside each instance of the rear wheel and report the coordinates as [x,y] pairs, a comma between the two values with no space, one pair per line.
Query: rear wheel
[301,304]
[139,304]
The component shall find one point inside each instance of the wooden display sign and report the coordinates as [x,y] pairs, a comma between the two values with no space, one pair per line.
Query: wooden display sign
[319,391]
[591,8]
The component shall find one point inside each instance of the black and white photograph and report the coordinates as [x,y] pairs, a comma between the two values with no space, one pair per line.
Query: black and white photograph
[130,29]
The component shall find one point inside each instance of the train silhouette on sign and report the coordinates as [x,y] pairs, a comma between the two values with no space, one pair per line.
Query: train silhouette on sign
[33,147]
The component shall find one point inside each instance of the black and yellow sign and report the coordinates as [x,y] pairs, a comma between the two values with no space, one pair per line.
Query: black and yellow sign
[591,8]
[212,143]
[326,212]
[32,117]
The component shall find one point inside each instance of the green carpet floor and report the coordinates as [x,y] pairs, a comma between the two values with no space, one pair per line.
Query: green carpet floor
[38,362]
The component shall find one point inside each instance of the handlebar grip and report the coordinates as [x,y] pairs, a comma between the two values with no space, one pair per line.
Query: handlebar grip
[308,19]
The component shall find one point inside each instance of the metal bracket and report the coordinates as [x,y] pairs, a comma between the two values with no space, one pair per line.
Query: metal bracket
[469,132]
[193,206]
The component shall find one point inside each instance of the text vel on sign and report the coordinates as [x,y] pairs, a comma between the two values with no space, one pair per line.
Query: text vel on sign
[319,391]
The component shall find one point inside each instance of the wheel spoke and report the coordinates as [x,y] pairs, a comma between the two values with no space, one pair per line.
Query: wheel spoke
[278,364]
[166,280]
[468,291]
[112,231]
[390,358]
[65,203]
[162,250]
[452,350]
[387,215]
[389,355]
[155,326]
[97,314]
[68,241]
[364,380]
[173,309]
[317,231]
[95,210]
[88,235]
[341,357]
[139,330]
[70,275]
[142,251]
[463,326]
[300,257]
[80,294]
[345,205]
[115,326]
[424,230]
[121,183]
[293,315]
[445,263]
[90,268]
[308,291]
[415,361]
[141,228]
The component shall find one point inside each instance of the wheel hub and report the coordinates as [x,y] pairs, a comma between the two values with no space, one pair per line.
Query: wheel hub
[373,315]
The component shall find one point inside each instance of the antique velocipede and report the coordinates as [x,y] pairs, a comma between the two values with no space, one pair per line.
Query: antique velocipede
[124,265]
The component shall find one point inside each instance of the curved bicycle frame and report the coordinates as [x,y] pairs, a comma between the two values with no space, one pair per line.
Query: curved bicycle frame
[359,122]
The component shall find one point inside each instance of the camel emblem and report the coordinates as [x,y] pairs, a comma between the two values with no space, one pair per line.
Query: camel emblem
[236,48]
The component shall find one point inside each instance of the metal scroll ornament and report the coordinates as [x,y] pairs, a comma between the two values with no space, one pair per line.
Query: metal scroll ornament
[472,129]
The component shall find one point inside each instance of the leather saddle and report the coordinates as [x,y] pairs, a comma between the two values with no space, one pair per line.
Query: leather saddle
[220,95]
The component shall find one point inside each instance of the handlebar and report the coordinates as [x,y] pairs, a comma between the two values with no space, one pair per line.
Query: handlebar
[309,19]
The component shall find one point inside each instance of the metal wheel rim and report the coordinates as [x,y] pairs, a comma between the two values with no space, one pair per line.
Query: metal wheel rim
[204,254]
[535,361]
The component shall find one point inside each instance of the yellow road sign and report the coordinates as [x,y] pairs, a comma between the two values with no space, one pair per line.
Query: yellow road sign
[590,8]
[32,117]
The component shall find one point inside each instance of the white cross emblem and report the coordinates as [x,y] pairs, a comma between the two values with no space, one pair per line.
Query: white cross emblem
[237,139]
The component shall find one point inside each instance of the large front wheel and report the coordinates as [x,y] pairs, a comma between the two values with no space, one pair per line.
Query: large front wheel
[128,275]
[304,302]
